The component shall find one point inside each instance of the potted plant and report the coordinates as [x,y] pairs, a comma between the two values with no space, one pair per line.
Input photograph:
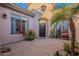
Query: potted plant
[30,35]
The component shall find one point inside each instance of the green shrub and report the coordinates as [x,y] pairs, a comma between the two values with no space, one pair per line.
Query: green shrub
[30,35]
[67,50]
[53,34]
[56,53]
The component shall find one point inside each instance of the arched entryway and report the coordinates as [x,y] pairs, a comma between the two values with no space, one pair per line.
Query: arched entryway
[42,27]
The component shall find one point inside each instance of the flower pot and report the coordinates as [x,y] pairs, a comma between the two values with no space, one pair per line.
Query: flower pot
[30,39]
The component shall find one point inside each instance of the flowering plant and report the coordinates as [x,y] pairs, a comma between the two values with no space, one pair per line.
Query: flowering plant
[30,34]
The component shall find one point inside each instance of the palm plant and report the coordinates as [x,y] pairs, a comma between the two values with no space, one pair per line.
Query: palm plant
[67,13]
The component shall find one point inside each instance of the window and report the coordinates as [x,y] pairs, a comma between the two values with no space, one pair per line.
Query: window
[62,30]
[24,26]
[18,25]
[13,26]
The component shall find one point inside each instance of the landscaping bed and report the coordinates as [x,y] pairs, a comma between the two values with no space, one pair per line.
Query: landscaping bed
[66,51]
[5,49]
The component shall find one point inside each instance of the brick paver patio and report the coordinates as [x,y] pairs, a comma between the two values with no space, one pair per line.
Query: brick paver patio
[38,47]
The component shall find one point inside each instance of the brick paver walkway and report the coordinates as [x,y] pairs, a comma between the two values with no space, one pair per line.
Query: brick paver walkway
[38,47]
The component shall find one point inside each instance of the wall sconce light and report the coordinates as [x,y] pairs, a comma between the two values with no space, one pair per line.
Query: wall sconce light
[4,16]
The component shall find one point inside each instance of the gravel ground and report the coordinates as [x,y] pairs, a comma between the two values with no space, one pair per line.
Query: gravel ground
[37,47]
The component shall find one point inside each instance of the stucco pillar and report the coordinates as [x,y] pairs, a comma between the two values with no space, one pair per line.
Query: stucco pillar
[77,29]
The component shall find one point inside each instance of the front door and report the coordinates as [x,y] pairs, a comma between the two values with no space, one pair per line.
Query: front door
[42,29]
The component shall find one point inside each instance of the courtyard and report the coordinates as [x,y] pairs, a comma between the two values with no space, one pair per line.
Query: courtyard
[48,27]
[37,47]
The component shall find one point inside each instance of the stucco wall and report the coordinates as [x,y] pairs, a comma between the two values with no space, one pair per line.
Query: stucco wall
[47,14]
[77,28]
[5,27]
[36,22]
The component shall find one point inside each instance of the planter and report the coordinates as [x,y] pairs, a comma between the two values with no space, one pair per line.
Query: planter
[30,35]
[30,39]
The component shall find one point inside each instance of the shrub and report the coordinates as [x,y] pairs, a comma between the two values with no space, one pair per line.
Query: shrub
[5,49]
[57,53]
[30,35]
[53,34]
[67,50]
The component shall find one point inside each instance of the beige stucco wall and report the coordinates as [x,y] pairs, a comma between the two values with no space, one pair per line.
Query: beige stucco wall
[46,14]
[76,21]
[5,27]
[37,6]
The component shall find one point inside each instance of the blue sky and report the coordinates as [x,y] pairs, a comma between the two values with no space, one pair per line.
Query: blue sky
[22,5]
[59,5]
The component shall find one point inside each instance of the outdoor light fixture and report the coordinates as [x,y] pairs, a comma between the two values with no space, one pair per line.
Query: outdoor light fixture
[4,16]
[43,7]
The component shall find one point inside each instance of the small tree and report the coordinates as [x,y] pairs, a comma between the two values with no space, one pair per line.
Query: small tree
[67,13]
